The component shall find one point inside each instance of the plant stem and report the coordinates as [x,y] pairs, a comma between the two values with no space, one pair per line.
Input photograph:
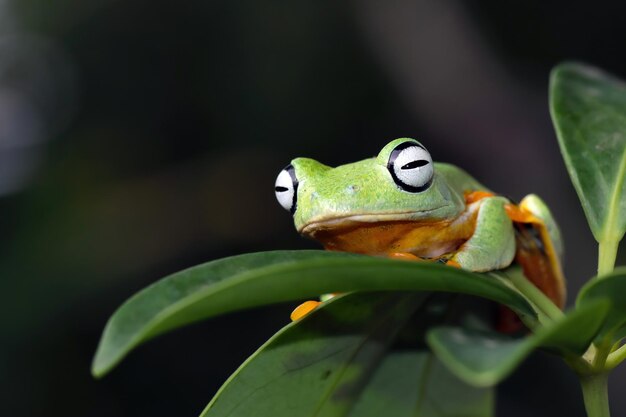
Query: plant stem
[607,252]
[595,394]
[616,357]
[603,349]
[538,298]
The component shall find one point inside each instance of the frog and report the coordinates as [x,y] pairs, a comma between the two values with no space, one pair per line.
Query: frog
[402,205]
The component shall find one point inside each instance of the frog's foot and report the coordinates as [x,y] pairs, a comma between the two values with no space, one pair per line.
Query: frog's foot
[447,260]
[453,263]
[404,256]
[520,214]
[304,309]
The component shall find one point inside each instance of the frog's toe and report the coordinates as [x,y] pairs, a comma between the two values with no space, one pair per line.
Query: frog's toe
[304,309]
[453,263]
[520,214]
[404,256]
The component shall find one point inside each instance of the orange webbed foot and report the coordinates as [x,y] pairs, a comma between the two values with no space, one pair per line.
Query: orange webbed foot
[518,214]
[304,309]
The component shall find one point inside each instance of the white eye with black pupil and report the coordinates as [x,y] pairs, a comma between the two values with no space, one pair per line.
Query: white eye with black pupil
[286,188]
[411,167]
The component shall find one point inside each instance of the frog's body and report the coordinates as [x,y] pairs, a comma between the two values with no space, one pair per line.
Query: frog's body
[402,205]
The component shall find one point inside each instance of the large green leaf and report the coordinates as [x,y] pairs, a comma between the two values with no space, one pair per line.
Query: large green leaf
[612,287]
[414,383]
[483,358]
[588,109]
[256,279]
[318,365]
[335,362]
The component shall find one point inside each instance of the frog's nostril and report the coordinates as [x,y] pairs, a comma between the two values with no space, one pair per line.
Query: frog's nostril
[351,189]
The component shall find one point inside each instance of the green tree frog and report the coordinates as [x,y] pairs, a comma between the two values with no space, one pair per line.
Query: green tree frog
[403,205]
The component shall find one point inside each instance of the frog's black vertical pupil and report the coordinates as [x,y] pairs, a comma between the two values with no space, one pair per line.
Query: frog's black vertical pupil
[280,189]
[292,173]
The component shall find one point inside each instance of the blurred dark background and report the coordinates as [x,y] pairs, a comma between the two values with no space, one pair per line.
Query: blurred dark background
[141,137]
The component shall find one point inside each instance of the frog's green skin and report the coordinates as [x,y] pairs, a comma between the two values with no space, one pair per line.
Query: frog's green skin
[365,191]
[331,203]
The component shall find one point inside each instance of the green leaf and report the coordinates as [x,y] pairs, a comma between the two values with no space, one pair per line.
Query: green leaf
[335,362]
[414,383]
[257,279]
[588,110]
[484,359]
[611,287]
[318,365]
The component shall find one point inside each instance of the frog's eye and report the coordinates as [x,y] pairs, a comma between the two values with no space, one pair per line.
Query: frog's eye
[286,188]
[411,167]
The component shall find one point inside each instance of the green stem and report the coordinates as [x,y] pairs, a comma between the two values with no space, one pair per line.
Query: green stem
[607,252]
[535,296]
[595,394]
[616,357]
[603,349]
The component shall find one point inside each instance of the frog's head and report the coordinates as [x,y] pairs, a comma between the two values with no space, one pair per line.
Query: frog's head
[400,184]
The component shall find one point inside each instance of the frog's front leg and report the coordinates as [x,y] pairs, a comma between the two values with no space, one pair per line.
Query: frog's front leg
[492,245]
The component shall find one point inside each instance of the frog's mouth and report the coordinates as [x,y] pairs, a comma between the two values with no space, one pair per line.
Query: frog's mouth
[420,233]
[354,220]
